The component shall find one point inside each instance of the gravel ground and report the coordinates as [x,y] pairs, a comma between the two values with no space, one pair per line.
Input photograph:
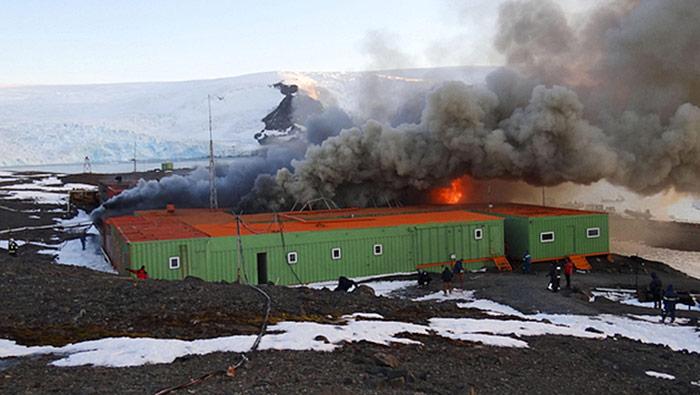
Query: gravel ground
[45,303]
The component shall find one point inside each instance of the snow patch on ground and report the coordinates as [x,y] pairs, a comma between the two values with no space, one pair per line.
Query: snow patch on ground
[660,375]
[384,287]
[685,261]
[456,294]
[71,253]
[116,352]
[119,352]
[39,197]
[491,308]
[387,288]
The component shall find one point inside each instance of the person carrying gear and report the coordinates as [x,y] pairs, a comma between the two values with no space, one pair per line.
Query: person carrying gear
[12,247]
[447,280]
[554,277]
[527,262]
[141,274]
[344,284]
[670,300]
[655,287]
[424,278]
[458,271]
[568,271]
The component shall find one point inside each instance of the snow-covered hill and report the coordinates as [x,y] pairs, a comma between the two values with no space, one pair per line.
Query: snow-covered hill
[168,120]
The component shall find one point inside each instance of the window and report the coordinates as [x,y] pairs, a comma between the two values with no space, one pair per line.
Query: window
[335,254]
[292,258]
[378,249]
[174,262]
[478,234]
[593,233]
[547,237]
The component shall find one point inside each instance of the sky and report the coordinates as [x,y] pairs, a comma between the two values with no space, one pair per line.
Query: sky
[97,41]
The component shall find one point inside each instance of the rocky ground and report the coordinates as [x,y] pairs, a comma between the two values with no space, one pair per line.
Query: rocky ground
[49,304]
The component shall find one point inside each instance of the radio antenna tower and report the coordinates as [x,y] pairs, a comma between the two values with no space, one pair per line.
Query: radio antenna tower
[213,199]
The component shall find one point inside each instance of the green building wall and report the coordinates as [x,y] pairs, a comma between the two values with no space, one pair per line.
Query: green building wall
[570,237]
[404,247]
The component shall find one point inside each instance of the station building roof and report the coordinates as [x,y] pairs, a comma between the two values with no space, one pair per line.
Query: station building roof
[198,223]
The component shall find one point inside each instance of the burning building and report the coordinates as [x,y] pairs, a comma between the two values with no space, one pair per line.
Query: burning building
[301,247]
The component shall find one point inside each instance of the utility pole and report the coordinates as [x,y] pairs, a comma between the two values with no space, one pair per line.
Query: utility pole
[543,198]
[134,158]
[213,199]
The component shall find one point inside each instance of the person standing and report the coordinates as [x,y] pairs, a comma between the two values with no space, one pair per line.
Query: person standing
[568,271]
[670,300]
[447,280]
[527,262]
[655,287]
[12,247]
[554,277]
[458,271]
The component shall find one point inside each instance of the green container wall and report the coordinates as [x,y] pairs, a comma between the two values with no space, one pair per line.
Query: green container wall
[207,258]
[404,247]
[116,248]
[569,236]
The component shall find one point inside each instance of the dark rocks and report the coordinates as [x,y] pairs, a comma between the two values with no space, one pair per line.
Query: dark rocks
[385,359]
[363,290]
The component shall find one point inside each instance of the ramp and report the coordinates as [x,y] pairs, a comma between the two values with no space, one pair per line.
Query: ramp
[502,264]
[580,262]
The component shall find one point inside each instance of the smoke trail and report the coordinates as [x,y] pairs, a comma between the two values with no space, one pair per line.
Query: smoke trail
[233,180]
[629,113]
[613,97]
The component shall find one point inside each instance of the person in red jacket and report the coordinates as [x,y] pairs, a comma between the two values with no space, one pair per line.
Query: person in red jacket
[141,274]
[568,270]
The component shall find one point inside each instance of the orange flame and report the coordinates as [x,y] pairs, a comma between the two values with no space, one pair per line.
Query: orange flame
[459,191]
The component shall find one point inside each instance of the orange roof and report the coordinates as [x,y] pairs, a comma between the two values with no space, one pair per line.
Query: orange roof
[145,228]
[526,210]
[192,223]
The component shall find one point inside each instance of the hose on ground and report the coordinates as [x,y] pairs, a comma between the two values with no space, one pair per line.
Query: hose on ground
[231,370]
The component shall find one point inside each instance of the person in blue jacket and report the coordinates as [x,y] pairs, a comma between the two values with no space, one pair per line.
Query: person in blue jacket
[670,299]
[527,262]
[458,271]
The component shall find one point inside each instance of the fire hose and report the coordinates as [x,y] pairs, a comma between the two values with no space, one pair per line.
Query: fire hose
[231,370]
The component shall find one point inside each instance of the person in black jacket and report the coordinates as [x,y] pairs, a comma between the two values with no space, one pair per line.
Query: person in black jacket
[655,287]
[423,278]
[344,284]
[447,280]
[670,300]
[12,247]
[554,277]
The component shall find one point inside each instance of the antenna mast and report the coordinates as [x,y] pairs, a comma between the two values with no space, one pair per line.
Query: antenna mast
[134,158]
[213,200]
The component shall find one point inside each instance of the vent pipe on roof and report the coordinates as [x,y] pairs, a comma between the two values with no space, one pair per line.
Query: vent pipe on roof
[170,208]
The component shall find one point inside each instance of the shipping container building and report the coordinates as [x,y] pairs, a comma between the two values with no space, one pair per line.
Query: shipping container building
[551,233]
[301,247]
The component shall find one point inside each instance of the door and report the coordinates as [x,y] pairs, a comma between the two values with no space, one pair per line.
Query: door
[571,242]
[262,267]
[184,261]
